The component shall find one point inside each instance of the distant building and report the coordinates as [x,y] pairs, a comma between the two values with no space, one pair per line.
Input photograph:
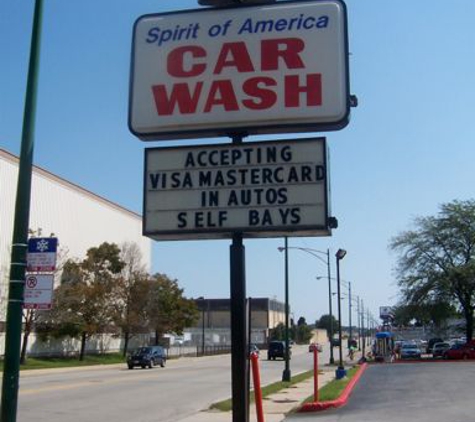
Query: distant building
[79,218]
[215,321]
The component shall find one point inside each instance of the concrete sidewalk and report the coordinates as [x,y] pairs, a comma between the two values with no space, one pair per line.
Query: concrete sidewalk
[280,404]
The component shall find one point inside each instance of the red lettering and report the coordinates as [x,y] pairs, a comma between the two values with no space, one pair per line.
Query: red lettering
[252,87]
[179,56]
[222,93]
[313,89]
[180,95]
[239,59]
[286,48]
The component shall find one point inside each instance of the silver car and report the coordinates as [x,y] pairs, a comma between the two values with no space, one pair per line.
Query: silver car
[410,351]
[438,349]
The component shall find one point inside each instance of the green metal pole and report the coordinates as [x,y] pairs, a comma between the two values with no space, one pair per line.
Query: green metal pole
[11,369]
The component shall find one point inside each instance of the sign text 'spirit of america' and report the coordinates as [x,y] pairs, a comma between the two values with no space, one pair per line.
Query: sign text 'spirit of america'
[260,69]
[262,189]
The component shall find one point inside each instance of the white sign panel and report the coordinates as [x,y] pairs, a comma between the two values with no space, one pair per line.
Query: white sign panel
[263,189]
[258,69]
[38,291]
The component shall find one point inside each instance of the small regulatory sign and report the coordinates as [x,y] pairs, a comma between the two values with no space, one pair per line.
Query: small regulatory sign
[38,291]
[262,189]
[41,255]
[259,69]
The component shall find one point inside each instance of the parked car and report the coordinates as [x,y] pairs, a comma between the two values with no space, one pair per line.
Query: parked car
[461,351]
[410,351]
[336,342]
[313,346]
[438,349]
[276,349]
[431,343]
[148,356]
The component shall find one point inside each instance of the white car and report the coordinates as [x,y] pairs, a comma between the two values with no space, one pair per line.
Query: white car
[438,349]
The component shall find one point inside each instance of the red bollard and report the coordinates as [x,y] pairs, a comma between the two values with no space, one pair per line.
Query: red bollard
[256,378]
[315,374]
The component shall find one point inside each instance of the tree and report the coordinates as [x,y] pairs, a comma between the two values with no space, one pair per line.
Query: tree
[30,316]
[82,304]
[131,293]
[435,314]
[302,333]
[167,309]
[326,322]
[436,260]
[278,332]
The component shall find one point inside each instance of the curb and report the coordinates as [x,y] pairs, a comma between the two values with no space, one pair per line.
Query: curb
[340,401]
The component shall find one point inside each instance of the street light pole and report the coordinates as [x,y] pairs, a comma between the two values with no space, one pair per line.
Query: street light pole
[314,253]
[202,301]
[359,321]
[363,330]
[340,372]
[286,375]
[332,359]
[349,310]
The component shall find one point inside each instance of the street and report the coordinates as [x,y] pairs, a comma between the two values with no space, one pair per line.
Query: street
[184,387]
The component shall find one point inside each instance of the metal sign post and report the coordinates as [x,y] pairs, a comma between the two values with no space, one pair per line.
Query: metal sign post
[239,340]
[20,232]
[239,332]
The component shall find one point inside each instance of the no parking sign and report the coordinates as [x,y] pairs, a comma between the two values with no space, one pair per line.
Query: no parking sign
[38,291]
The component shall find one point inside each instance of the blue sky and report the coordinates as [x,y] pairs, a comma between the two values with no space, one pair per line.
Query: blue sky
[408,148]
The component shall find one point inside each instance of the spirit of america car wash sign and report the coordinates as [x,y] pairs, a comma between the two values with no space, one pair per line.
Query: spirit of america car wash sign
[259,69]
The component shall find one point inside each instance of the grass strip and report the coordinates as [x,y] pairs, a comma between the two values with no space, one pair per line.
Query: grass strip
[333,389]
[227,405]
[49,363]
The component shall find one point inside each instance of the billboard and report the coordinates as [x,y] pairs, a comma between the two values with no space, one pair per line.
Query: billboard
[258,69]
[262,189]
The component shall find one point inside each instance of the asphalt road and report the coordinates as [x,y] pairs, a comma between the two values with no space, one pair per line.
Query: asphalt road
[183,388]
[419,392]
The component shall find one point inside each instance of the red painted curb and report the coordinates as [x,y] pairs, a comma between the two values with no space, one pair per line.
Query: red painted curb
[340,401]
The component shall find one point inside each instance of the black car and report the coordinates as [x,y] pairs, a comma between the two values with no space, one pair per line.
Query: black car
[276,349]
[147,356]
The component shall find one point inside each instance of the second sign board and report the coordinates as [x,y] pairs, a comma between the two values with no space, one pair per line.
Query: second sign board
[263,189]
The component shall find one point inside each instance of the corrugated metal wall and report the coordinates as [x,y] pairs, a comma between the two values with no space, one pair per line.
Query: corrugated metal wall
[77,217]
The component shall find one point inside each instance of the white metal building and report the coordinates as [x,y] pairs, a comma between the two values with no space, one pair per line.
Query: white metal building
[77,217]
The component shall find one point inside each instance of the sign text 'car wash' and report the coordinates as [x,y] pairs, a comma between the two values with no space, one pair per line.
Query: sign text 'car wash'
[261,69]
[261,189]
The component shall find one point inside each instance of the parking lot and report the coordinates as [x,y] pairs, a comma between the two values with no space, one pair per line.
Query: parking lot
[429,392]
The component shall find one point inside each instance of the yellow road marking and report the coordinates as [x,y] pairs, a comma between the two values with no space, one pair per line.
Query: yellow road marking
[71,386]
